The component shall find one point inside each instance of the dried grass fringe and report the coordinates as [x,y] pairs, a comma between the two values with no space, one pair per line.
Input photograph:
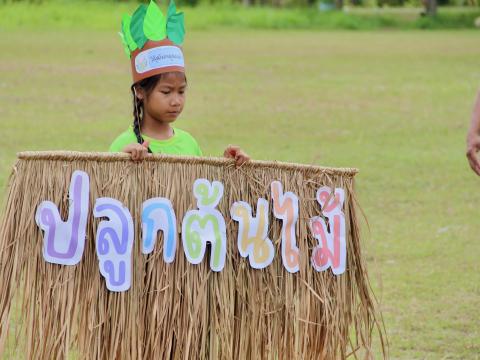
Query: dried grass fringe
[179,310]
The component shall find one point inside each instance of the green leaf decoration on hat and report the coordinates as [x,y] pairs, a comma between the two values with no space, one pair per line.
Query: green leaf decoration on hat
[149,23]
[172,9]
[136,26]
[154,25]
[125,45]
[175,28]
[175,24]
[127,35]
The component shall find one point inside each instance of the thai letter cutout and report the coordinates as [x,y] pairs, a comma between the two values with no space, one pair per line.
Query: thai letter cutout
[158,214]
[64,241]
[253,241]
[285,207]
[332,250]
[205,225]
[114,243]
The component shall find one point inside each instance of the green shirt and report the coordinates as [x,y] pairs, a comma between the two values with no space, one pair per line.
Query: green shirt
[181,143]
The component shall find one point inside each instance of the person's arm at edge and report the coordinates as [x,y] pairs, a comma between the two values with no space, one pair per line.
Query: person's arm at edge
[473,137]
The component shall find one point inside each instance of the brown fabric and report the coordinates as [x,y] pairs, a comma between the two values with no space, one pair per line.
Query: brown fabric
[150,45]
[179,310]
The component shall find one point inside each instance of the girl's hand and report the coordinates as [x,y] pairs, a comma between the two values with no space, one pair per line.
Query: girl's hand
[234,152]
[137,151]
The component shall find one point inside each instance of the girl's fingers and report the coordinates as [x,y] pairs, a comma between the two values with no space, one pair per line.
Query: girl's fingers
[241,158]
[227,154]
[143,153]
[245,157]
[137,151]
[234,152]
[134,155]
[231,151]
[138,154]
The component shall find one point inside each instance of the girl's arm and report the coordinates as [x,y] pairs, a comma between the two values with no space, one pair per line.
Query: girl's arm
[473,138]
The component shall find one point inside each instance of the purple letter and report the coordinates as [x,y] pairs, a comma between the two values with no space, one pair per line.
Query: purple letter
[114,243]
[64,241]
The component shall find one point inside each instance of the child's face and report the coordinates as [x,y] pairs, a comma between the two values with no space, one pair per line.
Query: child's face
[165,102]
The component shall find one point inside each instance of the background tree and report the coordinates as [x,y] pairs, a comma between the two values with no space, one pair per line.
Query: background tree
[430,7]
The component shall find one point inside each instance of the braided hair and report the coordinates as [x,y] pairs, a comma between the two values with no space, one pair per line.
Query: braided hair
[147,85]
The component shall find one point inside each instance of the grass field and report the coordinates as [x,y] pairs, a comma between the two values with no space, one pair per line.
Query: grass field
[394,104]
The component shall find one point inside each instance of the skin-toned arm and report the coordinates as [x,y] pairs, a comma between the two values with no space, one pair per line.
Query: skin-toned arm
[234,152]
[473,138]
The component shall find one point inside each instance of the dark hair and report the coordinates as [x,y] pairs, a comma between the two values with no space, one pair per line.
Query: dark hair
[147,85]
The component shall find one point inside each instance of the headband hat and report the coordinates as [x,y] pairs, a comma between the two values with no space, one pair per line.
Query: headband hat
[153,42]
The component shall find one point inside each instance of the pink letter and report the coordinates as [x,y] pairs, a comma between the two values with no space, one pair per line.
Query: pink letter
[331,251]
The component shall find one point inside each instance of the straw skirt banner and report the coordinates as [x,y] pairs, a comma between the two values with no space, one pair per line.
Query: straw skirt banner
[182,258]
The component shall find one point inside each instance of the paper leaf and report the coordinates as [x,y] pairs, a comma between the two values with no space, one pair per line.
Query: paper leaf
[154,25]
[136,26]
[127,35]
[175,28]
[125,45]
[172,9]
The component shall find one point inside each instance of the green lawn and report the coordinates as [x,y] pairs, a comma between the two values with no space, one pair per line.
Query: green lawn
[394,104]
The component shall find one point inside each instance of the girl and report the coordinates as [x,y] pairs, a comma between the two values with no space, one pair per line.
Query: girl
[159,85]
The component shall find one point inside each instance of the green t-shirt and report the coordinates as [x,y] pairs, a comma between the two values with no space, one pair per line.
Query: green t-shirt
[181,143]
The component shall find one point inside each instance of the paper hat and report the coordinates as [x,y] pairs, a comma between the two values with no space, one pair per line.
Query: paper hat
[153,42]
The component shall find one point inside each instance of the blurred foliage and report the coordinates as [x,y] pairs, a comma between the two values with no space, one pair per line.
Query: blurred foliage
[290,3]
[105,15]
[55,14]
